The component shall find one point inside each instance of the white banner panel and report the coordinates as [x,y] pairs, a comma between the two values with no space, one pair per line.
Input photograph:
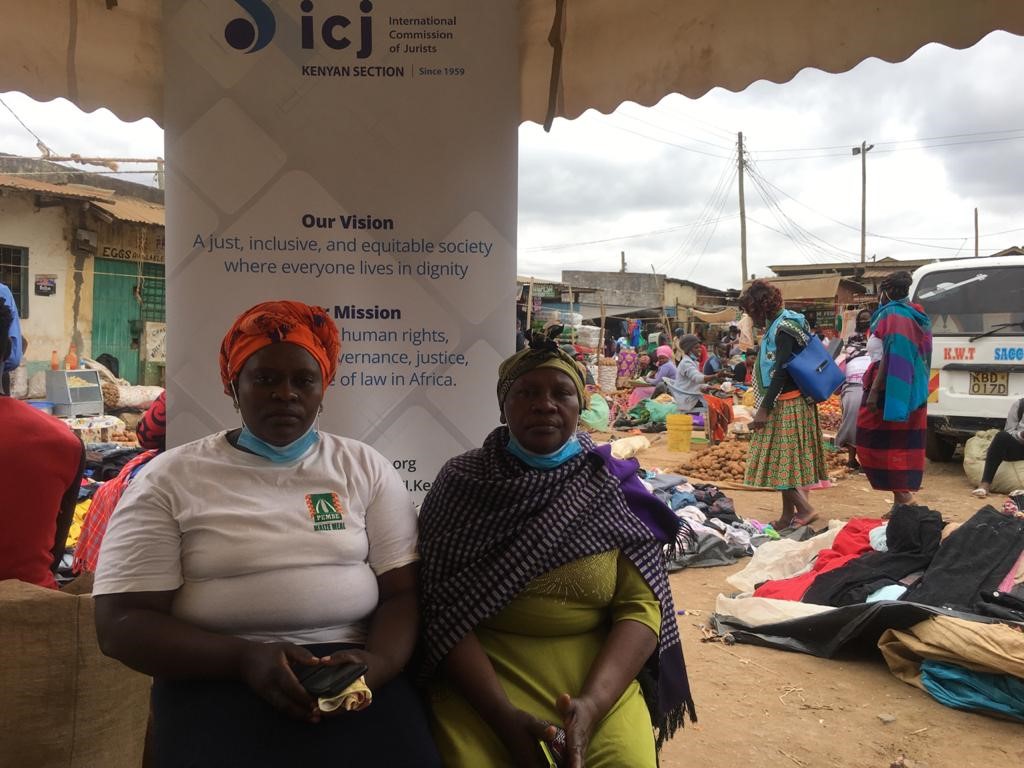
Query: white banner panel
[360,156]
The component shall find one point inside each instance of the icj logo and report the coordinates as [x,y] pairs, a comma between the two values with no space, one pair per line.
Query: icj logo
[250,36]
[256,32]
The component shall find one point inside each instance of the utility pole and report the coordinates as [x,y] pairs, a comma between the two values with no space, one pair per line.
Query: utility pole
[975,233]
[863,150]
[622,257]
[743,213]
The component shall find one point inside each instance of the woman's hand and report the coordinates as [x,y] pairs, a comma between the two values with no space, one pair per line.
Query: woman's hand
[580,716]
[266,669]
[521,733]
[377,669]
[760,419]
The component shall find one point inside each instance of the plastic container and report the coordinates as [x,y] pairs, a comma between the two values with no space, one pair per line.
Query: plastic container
[679,431]
[43,405]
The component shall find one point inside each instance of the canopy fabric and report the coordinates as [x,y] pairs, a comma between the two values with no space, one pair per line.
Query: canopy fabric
[611,51]
[797,288]
[722,316]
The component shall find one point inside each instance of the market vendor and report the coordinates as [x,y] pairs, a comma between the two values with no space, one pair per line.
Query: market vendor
[666,368]
[41,464]
[688,386]
[239,561]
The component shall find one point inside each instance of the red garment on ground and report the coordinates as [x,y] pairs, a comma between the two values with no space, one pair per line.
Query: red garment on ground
[39,460]
[719,417]
[850,543]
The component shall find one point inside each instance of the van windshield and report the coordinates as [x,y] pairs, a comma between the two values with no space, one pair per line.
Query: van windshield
[966,302]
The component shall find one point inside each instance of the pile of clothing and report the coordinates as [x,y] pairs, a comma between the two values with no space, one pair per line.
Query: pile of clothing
[715,533]
[928,594]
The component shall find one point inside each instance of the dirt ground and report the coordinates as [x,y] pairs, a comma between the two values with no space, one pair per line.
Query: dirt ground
[763,707]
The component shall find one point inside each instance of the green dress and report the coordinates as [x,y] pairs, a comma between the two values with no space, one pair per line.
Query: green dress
[541,645]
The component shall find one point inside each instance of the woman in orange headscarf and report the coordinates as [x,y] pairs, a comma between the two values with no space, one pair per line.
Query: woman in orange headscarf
[241,563]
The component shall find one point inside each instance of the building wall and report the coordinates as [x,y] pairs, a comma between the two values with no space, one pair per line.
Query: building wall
[53,321]
[629,289]
[679,294]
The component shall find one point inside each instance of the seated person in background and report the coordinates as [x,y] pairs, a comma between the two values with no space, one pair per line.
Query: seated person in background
[1007,445]
[242,559]
[151,432]
[716,360]
[742,370]
[666,369]
[645,366]
[41,464]
[687,388]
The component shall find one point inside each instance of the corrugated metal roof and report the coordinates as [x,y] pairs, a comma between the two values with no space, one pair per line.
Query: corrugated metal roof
[119,206]
[71,191]
[134,209]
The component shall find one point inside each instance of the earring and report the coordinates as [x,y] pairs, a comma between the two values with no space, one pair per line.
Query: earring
[320,408]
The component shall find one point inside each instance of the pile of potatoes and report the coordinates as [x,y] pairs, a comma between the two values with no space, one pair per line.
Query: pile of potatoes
[725,461]
[728,461]
[830,414]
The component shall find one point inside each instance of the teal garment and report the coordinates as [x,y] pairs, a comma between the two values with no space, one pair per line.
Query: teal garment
[961,688]
[796,324]
[906,333]
[654,411]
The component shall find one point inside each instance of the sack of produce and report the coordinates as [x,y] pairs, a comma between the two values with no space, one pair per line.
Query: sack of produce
[1009,476]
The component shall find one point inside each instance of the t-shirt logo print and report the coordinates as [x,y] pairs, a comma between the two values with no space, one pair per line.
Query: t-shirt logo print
[325,511]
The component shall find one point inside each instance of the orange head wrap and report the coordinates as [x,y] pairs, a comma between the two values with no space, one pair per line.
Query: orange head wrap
[276,321]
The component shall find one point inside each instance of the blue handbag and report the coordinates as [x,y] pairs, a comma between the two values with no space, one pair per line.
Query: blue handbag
[814,371]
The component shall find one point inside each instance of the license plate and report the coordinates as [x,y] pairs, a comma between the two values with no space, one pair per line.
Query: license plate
[987,383]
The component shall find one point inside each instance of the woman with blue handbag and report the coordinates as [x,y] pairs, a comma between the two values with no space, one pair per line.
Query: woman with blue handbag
[786,450]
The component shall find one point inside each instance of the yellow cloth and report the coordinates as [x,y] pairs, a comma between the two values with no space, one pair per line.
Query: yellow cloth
[357,696]
[541,645]
[77,520]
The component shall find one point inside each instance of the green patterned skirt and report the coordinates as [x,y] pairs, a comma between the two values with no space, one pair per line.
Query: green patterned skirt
[788,452]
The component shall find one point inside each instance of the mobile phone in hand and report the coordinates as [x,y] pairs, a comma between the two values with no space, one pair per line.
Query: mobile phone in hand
[325,681]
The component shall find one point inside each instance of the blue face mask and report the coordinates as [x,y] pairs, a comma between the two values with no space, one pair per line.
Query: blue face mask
[571,448]
[279,454]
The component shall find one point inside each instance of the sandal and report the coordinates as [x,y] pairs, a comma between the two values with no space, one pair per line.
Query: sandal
[979,493]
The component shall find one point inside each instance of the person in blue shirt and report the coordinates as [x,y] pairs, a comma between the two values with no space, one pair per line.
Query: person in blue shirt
[714,362]
[14,358]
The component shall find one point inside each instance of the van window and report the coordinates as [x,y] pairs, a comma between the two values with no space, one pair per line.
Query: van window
[966,302]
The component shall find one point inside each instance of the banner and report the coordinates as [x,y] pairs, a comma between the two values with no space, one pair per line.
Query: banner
[360,156]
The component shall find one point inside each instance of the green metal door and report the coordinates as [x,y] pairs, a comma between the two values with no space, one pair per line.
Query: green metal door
[125,294]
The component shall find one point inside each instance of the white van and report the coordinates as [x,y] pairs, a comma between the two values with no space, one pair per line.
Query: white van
[977,311]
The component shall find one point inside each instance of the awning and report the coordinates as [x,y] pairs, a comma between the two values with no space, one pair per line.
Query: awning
[795,289]
[722,316]
[611,51]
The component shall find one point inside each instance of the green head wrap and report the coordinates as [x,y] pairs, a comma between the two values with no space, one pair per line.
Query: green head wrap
[545,354]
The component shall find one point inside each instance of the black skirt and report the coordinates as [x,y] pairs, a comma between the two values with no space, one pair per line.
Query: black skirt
[221,724]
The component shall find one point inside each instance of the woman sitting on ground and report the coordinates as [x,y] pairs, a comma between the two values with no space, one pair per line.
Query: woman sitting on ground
[666,368]
[544,590]
[1007,445]
[786,450]
[240,560]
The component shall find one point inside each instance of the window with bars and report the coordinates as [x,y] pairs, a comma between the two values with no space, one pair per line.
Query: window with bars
[14,274]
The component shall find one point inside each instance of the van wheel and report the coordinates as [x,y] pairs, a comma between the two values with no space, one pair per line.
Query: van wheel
[938,448]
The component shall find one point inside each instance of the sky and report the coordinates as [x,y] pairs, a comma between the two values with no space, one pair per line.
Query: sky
[660,183]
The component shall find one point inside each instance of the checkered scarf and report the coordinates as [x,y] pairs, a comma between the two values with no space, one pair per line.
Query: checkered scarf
[490,525]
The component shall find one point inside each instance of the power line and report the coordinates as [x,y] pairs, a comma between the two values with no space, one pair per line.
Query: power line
[649,233]
[673,131]
[39,142]
[669,143]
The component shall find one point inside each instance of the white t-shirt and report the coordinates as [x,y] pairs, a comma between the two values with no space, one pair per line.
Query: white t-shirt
[261,550]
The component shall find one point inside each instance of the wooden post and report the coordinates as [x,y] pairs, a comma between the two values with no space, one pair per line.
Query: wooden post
[743,213]
[600,342]
[528,332]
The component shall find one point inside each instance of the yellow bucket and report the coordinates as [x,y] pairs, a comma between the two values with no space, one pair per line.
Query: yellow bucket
[680,431]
